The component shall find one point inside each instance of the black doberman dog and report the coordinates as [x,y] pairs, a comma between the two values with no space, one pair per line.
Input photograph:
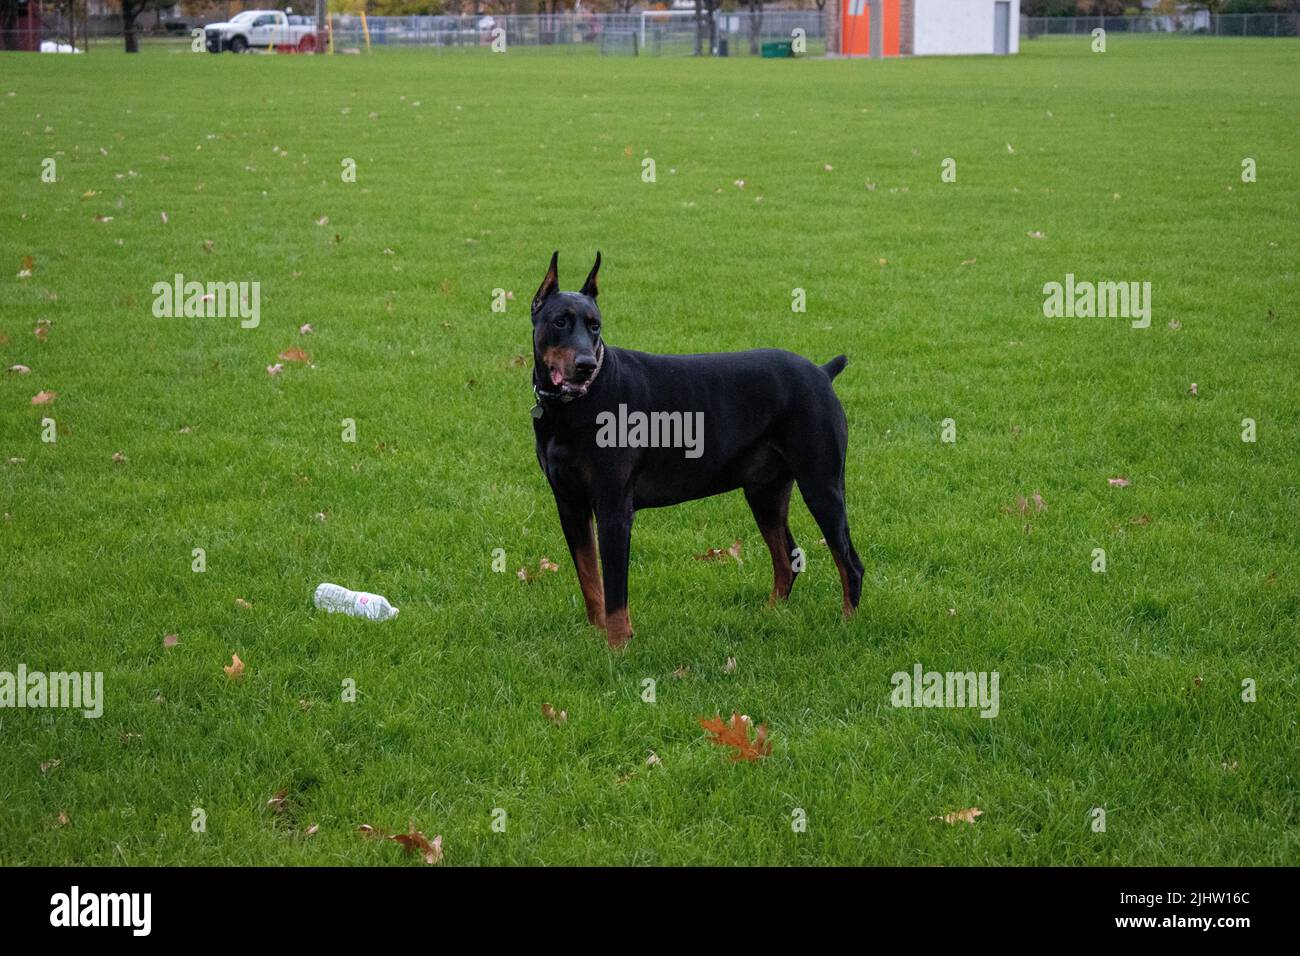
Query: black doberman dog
[619,430]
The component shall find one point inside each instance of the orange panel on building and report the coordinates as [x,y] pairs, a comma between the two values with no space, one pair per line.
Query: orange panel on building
[857,28]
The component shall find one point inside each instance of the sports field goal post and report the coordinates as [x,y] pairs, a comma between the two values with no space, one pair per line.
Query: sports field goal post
[657,14]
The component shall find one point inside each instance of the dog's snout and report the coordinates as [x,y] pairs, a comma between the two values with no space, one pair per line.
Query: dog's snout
[585,362]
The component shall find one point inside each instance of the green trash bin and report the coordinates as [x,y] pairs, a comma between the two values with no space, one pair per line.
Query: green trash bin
[778,48]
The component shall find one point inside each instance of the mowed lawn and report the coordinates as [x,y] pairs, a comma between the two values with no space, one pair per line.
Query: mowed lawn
[1119,690]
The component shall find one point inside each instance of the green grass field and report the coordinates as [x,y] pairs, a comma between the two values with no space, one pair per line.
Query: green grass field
[1120,691]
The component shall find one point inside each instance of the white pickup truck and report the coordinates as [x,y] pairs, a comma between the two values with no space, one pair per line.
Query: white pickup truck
[261,28]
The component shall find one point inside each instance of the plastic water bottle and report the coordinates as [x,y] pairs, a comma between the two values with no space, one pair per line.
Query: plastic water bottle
[335,597]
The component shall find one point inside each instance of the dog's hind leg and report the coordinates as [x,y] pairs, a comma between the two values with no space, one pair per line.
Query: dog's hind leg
[825,499]
[771,506]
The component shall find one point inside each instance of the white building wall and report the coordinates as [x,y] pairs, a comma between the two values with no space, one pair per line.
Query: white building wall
[959,26]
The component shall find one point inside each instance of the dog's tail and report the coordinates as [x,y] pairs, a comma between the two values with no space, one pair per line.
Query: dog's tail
[835,366]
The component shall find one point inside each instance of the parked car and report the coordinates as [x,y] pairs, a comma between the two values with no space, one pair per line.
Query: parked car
[261,28]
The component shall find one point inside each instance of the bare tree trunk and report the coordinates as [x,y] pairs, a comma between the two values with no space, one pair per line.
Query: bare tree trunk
[755,24]
[699,26]
[130,41]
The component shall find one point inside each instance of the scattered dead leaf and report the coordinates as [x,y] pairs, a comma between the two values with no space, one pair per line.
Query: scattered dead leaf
[719,554]
[558,717]
[735,734]
[44,398]
[1118,482]
[413,841]
[236,667]
[961,816]
[295,354]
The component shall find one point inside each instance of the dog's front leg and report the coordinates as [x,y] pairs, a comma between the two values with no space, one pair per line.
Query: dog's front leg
[575,519]
[614,527]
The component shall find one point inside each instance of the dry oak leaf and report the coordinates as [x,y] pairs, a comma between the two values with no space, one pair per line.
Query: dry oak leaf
[717,554]
[557,717]
[413,840]
[961,816]
[236,667]
[1118,482]
[243,605]
[735,734]
[295,354]
[44,398]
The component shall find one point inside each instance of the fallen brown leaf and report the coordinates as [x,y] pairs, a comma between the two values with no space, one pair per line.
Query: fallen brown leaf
[236,668]
[295,354]
[44,398]
[558,717]
[735,734]
[961,816]
[413,840]
[718,554]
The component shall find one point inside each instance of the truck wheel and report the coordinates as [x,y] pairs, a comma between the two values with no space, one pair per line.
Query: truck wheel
[307,44]
[238,45]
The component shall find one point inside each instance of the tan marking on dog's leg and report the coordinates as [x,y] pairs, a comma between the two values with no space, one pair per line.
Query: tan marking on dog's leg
[618,628]
[593,591]
[782,569]
[849,609]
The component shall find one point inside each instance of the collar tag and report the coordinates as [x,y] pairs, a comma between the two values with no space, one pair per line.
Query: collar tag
[538,411]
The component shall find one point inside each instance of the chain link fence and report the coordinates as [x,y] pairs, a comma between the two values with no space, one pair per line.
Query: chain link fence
[611,34]
[1199,22]
[632,34]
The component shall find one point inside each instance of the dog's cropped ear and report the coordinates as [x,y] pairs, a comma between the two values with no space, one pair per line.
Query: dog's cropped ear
[589,287]
[550,284]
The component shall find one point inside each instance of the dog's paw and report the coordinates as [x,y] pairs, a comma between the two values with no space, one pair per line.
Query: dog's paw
[618,629]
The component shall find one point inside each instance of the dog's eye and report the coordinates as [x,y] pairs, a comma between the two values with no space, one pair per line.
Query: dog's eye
[561,322]
[595,328]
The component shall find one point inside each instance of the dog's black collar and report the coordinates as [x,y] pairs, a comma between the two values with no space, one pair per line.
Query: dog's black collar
[560,394]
